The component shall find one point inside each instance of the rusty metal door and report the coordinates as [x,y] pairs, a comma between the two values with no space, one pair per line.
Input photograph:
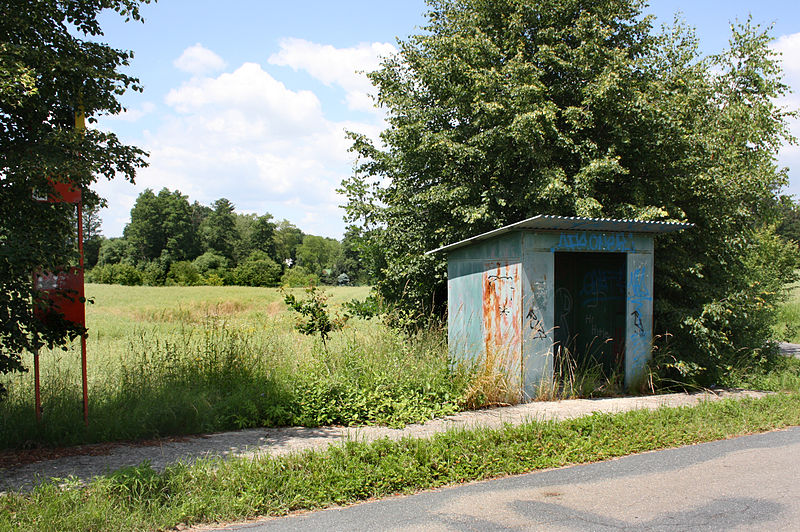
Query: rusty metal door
[502,317]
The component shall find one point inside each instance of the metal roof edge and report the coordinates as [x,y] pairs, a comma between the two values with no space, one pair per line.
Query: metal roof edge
[644,226]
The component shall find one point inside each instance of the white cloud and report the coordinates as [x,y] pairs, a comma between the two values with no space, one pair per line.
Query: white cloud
[789,47]
[344,67]
[245,136]
[199,60]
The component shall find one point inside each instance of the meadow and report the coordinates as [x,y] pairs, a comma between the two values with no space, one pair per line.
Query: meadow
[181,360]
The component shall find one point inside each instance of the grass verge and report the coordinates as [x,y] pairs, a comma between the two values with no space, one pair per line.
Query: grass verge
[140,498]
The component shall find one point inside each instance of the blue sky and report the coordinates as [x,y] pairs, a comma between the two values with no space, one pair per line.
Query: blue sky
[249,100]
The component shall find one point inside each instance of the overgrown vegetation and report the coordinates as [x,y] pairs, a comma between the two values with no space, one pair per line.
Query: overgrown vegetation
[139,498]
[498,111]
[184,360]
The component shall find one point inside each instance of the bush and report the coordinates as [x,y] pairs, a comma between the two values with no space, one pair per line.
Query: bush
[298,277]
[210,261]
[183,273]
[124,274]
[257,270]
[154,273]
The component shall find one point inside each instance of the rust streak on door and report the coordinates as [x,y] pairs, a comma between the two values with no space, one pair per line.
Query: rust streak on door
[502,317]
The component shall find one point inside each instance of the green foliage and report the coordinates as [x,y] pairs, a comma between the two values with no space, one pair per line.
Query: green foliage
[218,230]
[155,272]
[112,251]
[317,254]
[298,277]
[161,224]
[210,261]
[257,270]
[315,311]
[501,111]
[122,273]
[368,308]
[51,62]
[183,273]
[789,225]
[287,237]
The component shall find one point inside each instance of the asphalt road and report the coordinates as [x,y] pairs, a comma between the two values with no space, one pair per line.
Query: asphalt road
[747,483]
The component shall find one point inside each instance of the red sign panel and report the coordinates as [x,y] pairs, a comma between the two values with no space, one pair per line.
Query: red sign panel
[63,293]
[63,192]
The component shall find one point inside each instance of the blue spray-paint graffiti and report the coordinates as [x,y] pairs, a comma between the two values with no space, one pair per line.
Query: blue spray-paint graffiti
[639,294]
[615,242]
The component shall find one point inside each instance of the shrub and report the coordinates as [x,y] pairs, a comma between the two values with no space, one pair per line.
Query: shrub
[124,274]
[257,270]
[183,273]
[298,277]
[210,261]
[154,273]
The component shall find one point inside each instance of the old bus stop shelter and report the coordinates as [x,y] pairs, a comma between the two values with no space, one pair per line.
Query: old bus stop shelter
[529,294]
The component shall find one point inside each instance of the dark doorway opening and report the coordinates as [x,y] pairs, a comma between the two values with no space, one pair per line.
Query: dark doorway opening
[590,294]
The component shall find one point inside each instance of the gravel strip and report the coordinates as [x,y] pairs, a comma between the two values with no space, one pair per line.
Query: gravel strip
[277,441]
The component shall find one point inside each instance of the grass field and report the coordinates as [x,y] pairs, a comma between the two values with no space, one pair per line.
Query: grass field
[788,327]
[182,360]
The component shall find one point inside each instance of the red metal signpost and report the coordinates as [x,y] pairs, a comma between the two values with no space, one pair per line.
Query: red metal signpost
[63,290]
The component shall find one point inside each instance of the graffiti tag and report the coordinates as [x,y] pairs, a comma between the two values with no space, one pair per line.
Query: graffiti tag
[616,242]
[536,325]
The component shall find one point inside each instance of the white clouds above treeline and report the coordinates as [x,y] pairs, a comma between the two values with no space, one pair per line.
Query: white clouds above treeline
[241,133]
[788,46]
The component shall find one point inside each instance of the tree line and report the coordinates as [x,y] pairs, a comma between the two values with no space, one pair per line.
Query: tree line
[170,241]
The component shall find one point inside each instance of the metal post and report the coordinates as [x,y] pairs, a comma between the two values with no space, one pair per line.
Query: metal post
[80,125]
[37,393]
[84,379]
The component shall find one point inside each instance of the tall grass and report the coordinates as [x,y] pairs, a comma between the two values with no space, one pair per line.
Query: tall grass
[787,328]
[186,366]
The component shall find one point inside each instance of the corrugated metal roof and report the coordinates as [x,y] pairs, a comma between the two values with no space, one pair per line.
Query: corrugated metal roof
[547,222]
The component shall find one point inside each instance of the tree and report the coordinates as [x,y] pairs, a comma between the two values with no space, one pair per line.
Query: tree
[262,235]
[502,110]
[145,232]
[255,233]
[789,226]
[218,230]
[257,270]
[318,253]
[287,238]
[160,224]
[92,235]
[50,66]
